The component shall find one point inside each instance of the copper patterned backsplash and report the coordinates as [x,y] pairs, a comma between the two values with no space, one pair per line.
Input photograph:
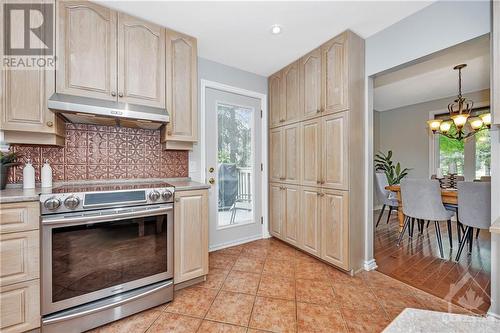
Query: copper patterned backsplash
[102,152]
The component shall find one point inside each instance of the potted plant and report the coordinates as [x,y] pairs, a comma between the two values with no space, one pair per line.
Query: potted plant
[394,173]
[6,161]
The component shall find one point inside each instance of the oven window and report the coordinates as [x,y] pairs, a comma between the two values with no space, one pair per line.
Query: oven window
[91,257]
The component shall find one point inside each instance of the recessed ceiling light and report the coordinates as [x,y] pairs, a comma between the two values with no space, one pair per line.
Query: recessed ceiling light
[276,29]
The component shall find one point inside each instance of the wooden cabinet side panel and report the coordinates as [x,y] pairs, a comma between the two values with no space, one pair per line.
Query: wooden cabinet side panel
[20,307]
[141,62]
[335,228]
[182,87]
[86,49]
[190,235]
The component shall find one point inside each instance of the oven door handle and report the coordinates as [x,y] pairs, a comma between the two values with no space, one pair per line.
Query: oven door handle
[127,213]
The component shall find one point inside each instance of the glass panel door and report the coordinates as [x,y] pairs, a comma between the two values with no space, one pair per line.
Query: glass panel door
[235,160]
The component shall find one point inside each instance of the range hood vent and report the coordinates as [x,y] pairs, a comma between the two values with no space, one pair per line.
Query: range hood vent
[95,111]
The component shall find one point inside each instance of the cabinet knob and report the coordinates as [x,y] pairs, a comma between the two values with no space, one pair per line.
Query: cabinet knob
[318,111]
[50,124]
[318,182]
[169,132]
[113,94]
[120,94]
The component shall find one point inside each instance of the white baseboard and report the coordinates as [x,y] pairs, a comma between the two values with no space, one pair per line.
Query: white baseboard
[492,315]
[266,234]
[234,242]
[370,265]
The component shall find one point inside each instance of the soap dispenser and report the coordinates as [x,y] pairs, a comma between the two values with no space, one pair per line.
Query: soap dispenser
[46,175]
[28,176]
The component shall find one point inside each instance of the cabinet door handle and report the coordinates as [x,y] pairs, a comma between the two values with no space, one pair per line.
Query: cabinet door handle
[318,182]
[50,124]
[318,111]
[318,194]
[113,94]
[322,195]
[120,94]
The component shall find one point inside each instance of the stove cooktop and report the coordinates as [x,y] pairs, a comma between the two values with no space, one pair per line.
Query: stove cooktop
[98,187]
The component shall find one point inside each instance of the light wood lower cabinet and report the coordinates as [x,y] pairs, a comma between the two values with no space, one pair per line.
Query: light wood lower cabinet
[310,222]
[20,307]
[190,235]
[276,212]
[19,267]
[335,228]
[291,213]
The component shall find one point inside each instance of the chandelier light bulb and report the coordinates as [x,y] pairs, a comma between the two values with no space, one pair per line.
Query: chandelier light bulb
[460,120]
[434,124]
[486,118]
[476,123]
[445,126]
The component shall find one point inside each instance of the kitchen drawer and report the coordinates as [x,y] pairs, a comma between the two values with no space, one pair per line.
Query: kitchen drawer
[19,257]
[20,216]
[20,307]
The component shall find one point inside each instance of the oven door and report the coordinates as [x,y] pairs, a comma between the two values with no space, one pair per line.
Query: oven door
[91,255]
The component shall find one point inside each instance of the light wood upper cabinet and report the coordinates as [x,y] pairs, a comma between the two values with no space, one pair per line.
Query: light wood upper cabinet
[276,210]
[310,84]
[335,151]
[291,156]
[276,116]
[311,152]
[335,228]
[276,150]
[310,224]
[292,214]
[87,50]
[182,88]
[190,235]
[335,75]
[290,93]
[141,62]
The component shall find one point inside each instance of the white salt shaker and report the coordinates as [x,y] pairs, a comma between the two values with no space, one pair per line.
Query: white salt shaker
[46,175]
[28,175]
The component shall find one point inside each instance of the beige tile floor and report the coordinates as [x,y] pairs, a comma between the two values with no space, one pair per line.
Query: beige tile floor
[268,286]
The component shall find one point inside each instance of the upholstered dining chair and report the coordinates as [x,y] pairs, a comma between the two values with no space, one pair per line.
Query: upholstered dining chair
[474,209]
[384,196]
[422,201]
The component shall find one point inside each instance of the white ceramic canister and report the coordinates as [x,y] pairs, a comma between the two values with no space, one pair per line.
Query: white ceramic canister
[28,175]
[46,175]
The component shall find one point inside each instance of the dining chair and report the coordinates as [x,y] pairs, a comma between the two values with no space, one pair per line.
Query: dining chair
[385,196]
[422,200]
[474,208]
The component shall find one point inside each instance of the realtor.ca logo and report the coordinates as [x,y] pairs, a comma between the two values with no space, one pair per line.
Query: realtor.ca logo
[28,35]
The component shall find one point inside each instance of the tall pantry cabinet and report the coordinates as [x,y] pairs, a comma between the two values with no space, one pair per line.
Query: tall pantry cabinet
[316,152]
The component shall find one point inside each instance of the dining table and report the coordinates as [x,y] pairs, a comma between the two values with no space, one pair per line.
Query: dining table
[448,195]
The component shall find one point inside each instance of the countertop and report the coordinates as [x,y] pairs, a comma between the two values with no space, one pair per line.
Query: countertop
[416,320]
[15,193]
[495,227]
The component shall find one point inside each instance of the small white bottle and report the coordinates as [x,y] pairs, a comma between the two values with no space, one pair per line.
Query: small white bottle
[46,175]
[28,175]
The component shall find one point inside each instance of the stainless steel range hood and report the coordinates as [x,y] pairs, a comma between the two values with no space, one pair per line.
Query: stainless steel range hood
[95,111]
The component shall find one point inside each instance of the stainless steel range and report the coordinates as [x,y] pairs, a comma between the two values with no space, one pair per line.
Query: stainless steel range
[107,252]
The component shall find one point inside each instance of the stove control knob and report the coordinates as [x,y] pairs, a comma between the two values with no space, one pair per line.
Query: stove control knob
[71,202]
[166,195]
[52,203]
[154,195]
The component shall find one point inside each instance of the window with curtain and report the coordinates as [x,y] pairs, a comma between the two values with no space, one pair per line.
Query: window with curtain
[472,156]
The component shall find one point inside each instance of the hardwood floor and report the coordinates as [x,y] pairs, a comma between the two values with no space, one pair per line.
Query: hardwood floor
[417,263]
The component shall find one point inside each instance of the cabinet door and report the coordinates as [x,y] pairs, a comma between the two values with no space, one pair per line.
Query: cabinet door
[182,87]
[276,144]
[335,228]
[292,214]
[275,109]
[310,84]
[86,50]
[311,154]
[335,75]
[291,156]
[310,221]
[335,151]
[190,235]
[19,257]
[276,210]
[290,92]
[141,62]
[20,307]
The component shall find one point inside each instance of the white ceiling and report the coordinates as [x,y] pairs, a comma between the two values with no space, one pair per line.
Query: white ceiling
[434,78]
[238,33]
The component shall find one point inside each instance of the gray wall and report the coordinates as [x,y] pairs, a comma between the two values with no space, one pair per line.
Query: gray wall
[213,71]
[404,131]
[434,28]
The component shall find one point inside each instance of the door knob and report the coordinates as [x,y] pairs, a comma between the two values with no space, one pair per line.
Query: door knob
[113,94]
[211,180]
[120,94]
[211,169]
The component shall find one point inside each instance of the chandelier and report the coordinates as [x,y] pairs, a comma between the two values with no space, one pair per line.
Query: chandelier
[460,113]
